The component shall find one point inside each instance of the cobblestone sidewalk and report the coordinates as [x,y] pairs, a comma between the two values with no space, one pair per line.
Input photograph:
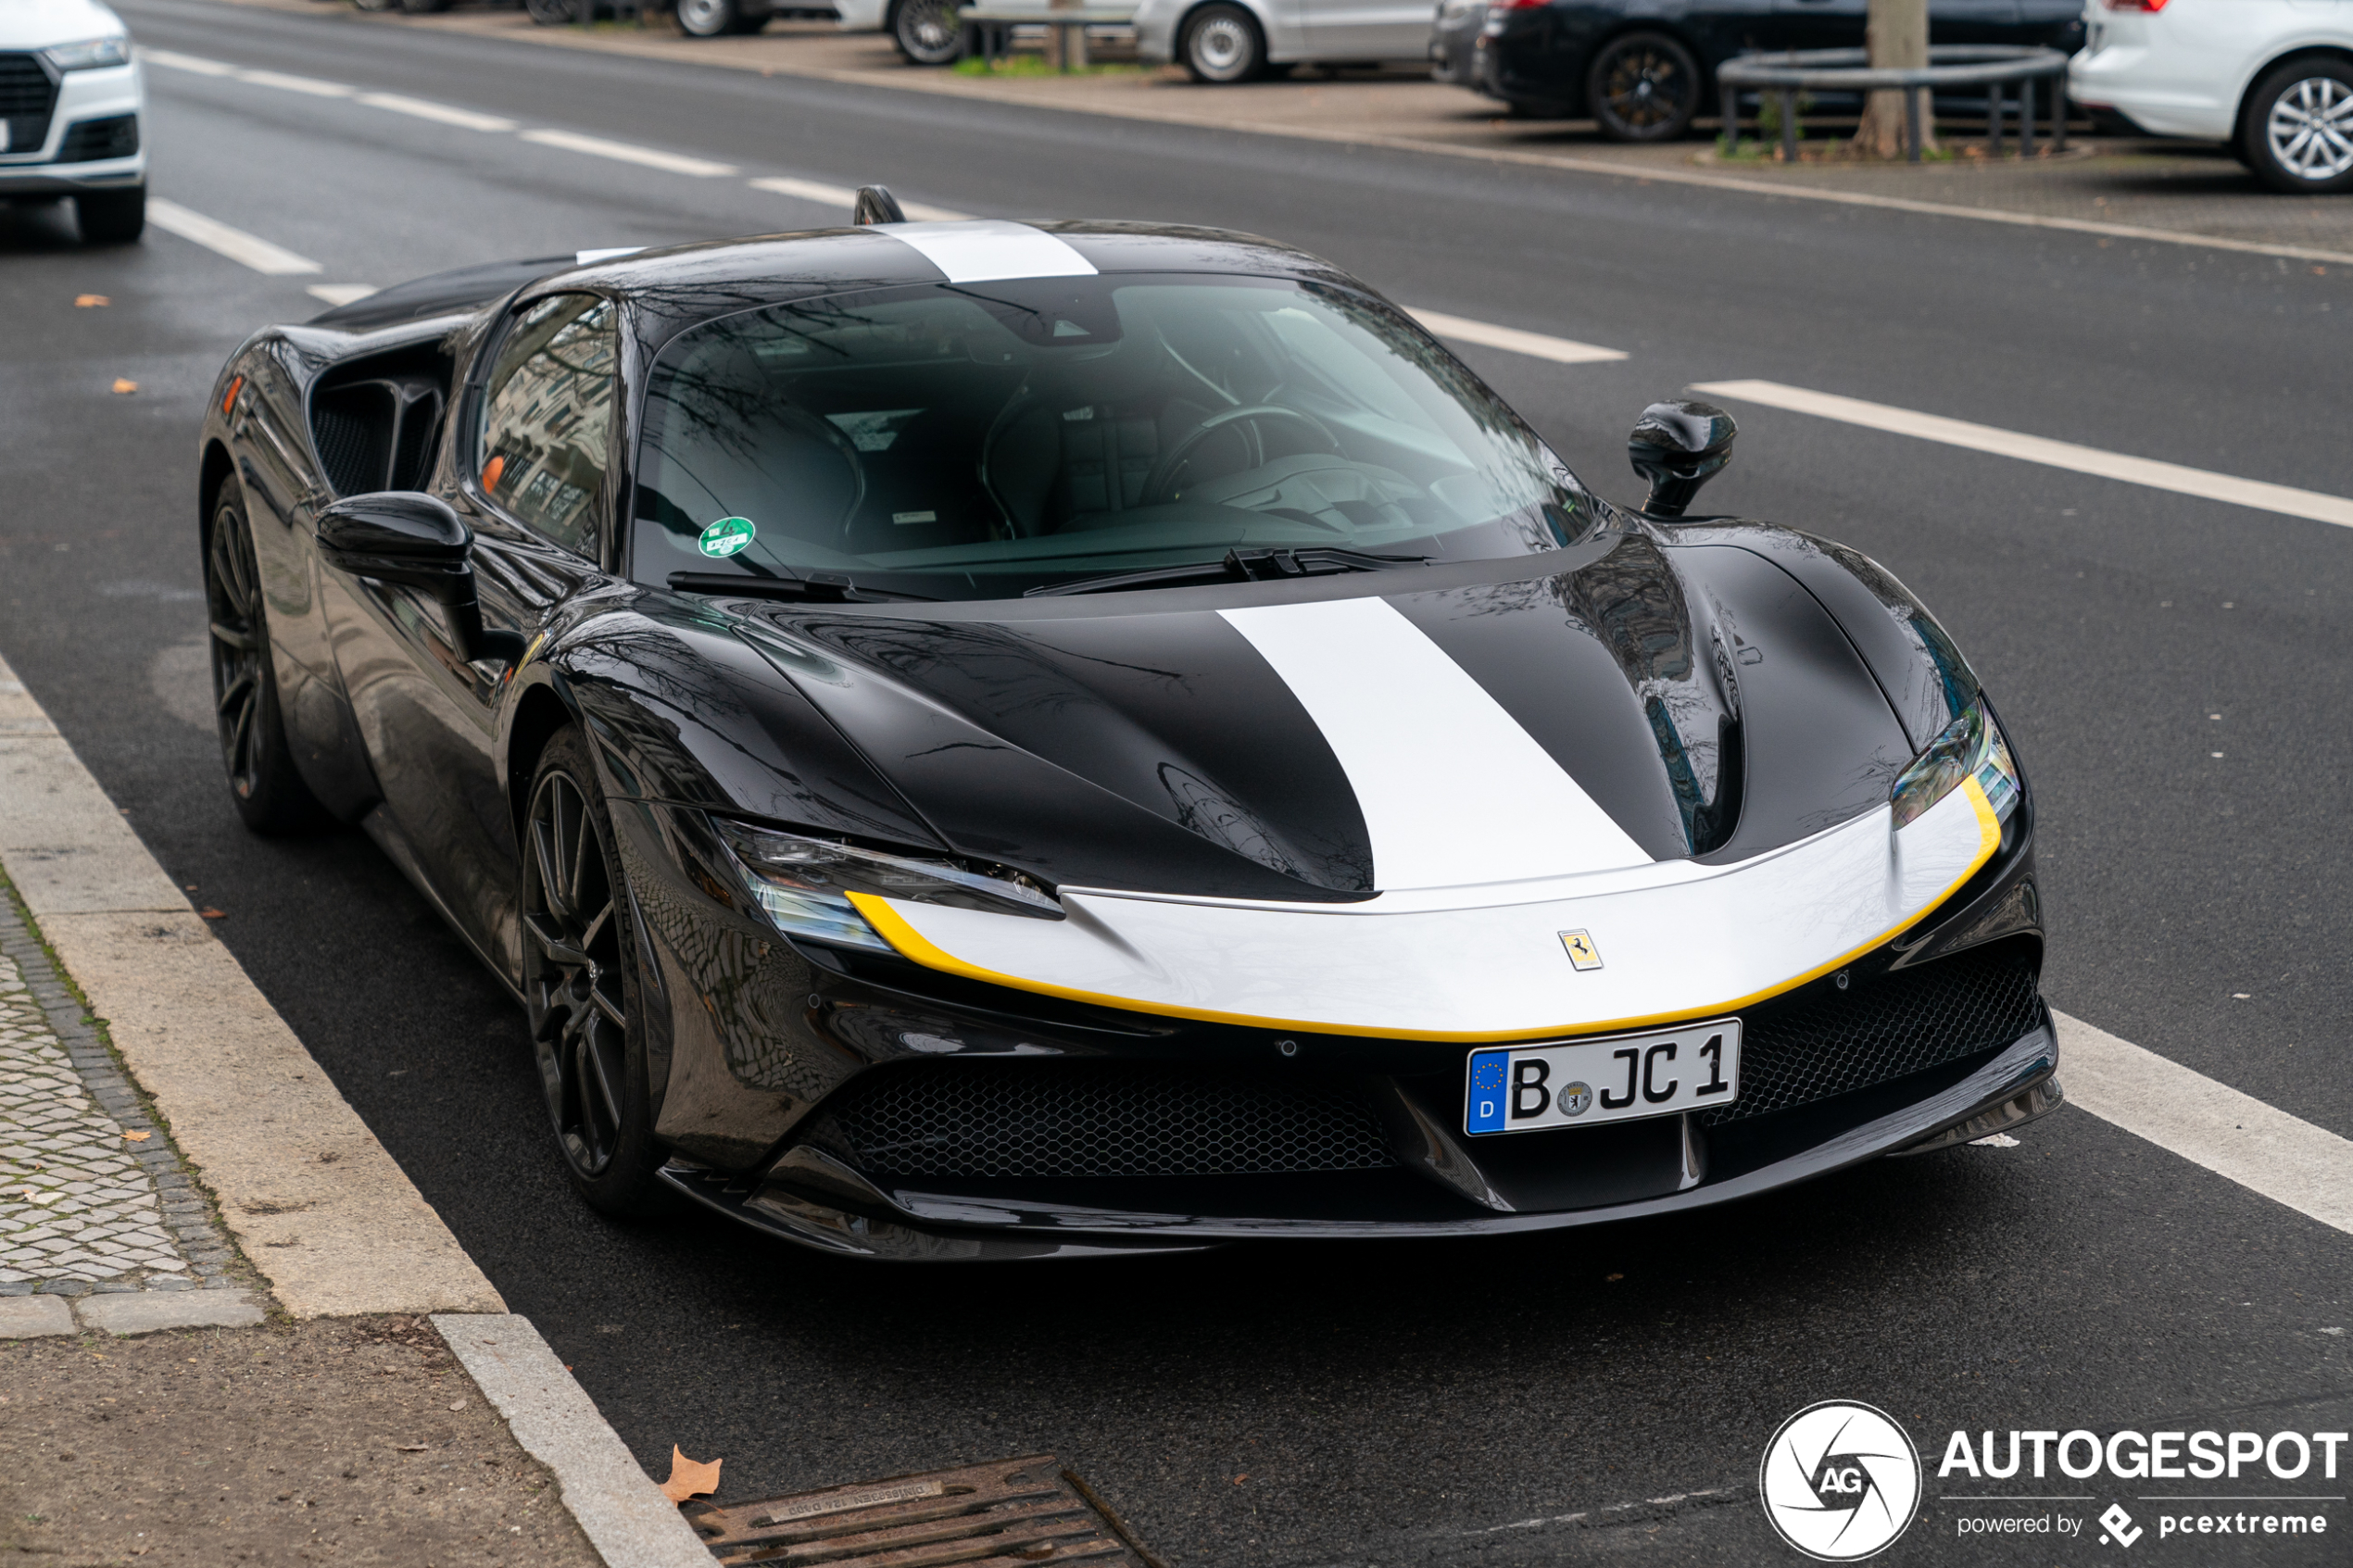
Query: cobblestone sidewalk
[93,1198]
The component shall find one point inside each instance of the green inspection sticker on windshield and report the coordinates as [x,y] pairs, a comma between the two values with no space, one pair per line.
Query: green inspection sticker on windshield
[727,535]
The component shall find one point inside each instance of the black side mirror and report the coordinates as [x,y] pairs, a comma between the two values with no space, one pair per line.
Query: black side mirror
[1679,447]
[416,541]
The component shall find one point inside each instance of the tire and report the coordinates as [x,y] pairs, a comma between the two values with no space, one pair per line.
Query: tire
[422,8]
[1643,87]
[263,783]
[580,985]
[111,218]
[556,13]
[927,32]
[2298,127]
[709,19]
[373,5]
[1222,45]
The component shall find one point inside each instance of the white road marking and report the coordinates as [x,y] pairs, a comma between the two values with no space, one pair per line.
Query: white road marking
[341,294]
[2254,493]
[2264,1149]
[629,151]
[1560,350]
[247,250]
[1452,789]
[442,114]
[309,85]
[177,61]
[842,196]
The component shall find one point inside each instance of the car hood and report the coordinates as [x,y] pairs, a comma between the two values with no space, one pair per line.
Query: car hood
[41,24]
[1632,701]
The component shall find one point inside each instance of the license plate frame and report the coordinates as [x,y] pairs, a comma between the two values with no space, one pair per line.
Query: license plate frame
[1591,1082]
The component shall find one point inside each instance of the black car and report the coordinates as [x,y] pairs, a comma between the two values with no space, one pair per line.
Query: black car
[1643,68]
[992,739]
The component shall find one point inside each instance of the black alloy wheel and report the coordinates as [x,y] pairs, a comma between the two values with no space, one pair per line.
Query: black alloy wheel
[1223,45]
[111,218]
[2297,133]
[580,982]
[929,32]
[270,795]
[1643,87]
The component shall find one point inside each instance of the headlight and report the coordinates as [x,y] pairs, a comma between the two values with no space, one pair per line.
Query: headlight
[1971,743]
[90,55]
[802,884]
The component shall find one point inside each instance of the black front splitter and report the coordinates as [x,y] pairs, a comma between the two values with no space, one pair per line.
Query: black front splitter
[2015,1085]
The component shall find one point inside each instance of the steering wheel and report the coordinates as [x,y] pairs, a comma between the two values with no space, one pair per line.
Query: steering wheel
[1166,471]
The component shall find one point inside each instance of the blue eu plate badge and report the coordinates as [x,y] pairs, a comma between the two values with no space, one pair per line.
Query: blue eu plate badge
[1489,1072]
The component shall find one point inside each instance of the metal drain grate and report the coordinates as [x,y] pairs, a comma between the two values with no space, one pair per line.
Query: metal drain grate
[1014,1514]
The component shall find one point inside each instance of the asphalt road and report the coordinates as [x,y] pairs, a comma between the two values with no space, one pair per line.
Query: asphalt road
[1353,1404]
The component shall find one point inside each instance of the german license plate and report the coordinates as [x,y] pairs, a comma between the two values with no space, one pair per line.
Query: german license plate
[1534,1088]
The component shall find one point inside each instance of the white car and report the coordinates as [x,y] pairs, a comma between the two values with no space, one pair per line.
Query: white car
[70,105]
[1236,39]
[2272,78]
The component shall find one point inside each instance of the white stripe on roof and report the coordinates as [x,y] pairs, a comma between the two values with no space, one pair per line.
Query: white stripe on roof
[985,249]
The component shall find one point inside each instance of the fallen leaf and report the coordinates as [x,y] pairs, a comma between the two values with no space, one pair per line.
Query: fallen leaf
[84,301]
[214,915]
[124,383]
[689,1479]
[138,1137]
[1616,1277]
[1243,1477]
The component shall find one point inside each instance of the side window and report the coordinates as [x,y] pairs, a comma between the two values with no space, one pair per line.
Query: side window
[546,417]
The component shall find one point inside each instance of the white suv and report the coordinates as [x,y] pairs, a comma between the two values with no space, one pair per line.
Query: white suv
[2272,78]
[70,102]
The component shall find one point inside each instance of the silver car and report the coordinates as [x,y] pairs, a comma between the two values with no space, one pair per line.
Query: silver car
[1222,41]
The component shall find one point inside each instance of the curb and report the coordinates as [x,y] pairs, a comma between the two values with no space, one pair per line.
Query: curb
[299,1178]
[294,1168]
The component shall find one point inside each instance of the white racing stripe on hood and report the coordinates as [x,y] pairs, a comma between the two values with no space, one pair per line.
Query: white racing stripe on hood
[985,249]
[1453,791]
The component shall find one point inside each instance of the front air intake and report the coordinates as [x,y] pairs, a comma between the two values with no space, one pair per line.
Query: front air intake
[1046,1118]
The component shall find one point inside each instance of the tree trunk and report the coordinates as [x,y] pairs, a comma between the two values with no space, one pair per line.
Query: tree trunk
[1898,38]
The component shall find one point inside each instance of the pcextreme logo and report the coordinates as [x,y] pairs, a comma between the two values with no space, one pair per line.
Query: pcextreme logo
[1840,1481]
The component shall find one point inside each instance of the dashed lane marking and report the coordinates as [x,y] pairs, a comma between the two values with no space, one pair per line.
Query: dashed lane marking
[2254,493]
[247,250]
[340,294]
[2235,1135]
[842,196]
[1560,350]
[629,151]
[310,85]
[441,114]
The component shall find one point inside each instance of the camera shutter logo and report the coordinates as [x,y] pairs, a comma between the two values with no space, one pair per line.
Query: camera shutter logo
[1840,1481]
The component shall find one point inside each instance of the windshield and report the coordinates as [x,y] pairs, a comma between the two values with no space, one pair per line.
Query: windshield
[982,441]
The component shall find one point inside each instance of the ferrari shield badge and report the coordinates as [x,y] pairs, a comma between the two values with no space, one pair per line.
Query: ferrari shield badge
[727,535]
[1582,954]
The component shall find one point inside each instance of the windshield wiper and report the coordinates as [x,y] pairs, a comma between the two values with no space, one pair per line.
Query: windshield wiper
[816,587]
[1240,566]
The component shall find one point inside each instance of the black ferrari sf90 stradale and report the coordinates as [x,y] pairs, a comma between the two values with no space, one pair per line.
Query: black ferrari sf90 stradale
[987,739]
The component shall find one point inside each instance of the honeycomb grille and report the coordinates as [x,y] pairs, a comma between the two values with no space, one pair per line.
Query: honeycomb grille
[26,97]
[1100,1119]
[1830,1042]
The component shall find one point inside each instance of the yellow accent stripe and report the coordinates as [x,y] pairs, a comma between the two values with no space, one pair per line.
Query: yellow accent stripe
[912,944]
